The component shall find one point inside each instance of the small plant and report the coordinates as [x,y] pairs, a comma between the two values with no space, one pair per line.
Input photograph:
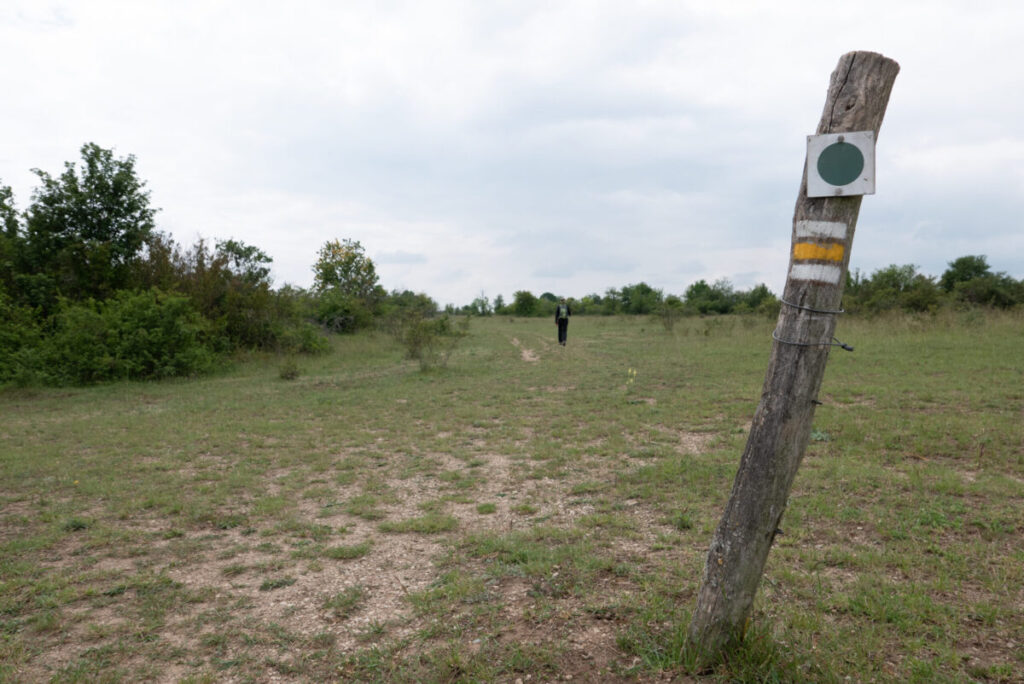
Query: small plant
[289,370]
[486,508]
[682,520]
[374,631]
[345,603]
[277,583]
[76,525]
[820,435]
[234,570]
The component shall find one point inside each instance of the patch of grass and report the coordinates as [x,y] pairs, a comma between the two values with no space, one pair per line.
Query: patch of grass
[76,524]
[347,602]
[681,520]
[350,552]
[431,523]
[364,506]
[132,541]
[277,583]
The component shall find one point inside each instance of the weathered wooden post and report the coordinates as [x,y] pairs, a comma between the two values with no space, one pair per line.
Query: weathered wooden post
[823,230]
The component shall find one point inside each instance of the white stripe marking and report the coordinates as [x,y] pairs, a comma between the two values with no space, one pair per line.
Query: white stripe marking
[825,273]
[821,229]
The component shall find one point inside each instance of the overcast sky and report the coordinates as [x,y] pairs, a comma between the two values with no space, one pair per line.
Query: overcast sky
[487,147]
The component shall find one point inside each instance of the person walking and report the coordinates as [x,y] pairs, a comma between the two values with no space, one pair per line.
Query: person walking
[562,313]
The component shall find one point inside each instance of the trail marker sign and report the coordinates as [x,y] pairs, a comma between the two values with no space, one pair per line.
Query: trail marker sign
[841,164]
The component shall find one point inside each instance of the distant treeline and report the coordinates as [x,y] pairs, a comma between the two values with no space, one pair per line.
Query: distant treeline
[91,291]
[638,299]
[969,281]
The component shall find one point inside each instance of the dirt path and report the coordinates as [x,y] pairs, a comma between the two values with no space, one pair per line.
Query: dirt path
[528,355]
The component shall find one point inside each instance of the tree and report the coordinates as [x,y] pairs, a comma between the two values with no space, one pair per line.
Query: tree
[718,298]
[756,298]
[345,281]
[894,287]
[994,289]
[640,298]
[246,261]
[9,238]
[962,270]
[481,306]
[343,266]
[523,303]
[8,214]
[86,228]
[611,304]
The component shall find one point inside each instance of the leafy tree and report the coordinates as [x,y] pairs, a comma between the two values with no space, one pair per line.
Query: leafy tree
[590,303]
[755,297]
[9,237]
[611,303]
[345,281]
[718,298]
[246,261]
[893,287]
[640,298]
[9,223]
[481,306]
[230,286]
[343,266]
[86,228]
[964,269]
[993,289]
[524,303]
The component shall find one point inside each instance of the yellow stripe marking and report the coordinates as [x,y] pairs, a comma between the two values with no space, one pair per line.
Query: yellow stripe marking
[807,251]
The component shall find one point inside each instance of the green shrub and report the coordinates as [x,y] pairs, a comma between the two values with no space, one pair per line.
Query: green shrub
[342,313]
[301,337]
[431,341]
[133,335]
[995,290]
[289,370]
[20,335]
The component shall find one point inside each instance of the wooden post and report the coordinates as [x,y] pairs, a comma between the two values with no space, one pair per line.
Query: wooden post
[822,237]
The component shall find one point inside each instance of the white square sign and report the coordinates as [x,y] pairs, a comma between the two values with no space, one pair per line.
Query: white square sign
[841,164]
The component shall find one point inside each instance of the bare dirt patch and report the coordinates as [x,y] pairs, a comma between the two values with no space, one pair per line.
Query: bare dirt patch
[249,586]
[527,355]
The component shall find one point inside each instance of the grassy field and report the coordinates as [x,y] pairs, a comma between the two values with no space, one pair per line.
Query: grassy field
[530,512]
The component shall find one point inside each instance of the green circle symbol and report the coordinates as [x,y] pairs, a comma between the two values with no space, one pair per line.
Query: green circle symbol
[840,163]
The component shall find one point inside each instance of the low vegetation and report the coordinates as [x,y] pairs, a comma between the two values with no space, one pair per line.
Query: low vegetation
[92,292]
[528,511]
